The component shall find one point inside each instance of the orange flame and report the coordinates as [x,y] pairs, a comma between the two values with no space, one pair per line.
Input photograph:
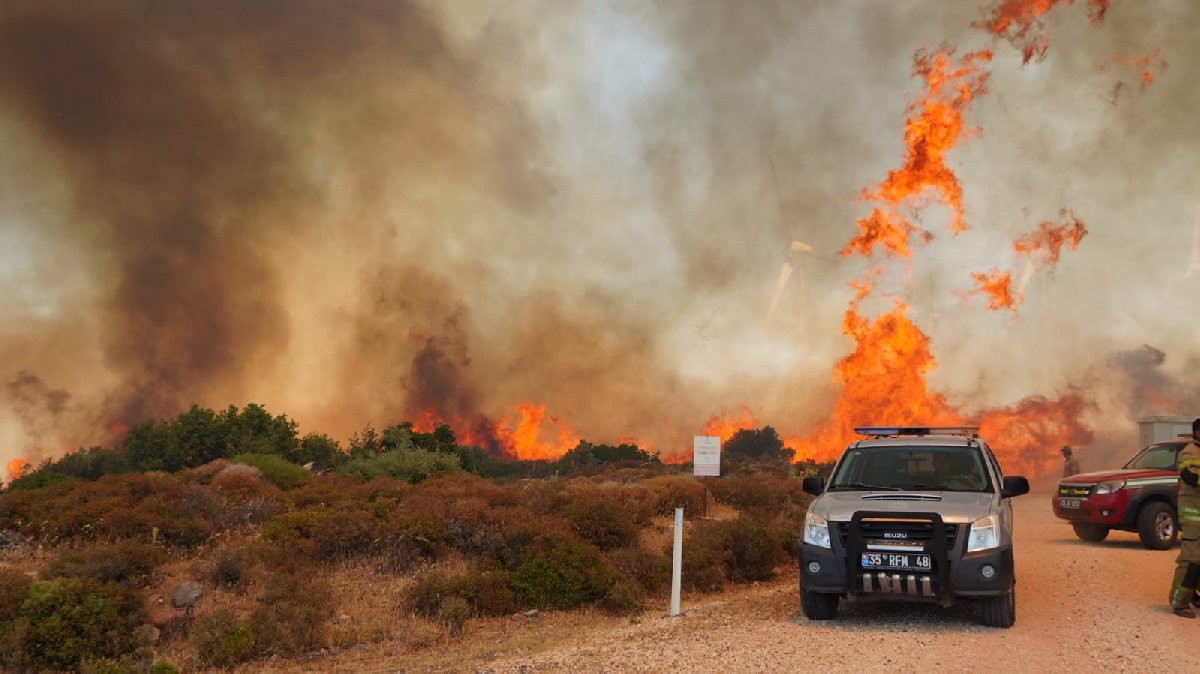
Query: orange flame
[933,126]
[1020,22]
[996,286]
[724,427]
[883,382]
[16,468]
[1044,245]
[1048,240]
[527,434]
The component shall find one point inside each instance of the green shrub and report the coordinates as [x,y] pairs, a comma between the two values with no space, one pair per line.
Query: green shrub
[409,465]
[127,562]
[561,573]
[62,622]
[222,639]
[278,470]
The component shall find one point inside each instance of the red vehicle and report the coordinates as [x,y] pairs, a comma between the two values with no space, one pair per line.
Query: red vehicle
[1140,497]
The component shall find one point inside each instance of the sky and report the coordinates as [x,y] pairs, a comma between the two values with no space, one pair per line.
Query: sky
[356,212]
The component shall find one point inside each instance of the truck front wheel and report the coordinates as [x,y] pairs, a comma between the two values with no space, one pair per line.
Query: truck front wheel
[1000,611]
[819,605]
[1092,533]
[1156,525]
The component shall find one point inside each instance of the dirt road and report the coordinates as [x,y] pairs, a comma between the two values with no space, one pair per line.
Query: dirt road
[1080,606]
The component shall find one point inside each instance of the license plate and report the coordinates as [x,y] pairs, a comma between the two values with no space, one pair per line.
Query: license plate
[896,561]
[1070,503]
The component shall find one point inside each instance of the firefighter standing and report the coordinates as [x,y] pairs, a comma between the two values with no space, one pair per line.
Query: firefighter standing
[1070,463]
[1187,565]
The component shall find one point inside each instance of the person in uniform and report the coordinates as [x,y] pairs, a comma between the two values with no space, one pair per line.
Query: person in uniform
[1187,564]
[1070,463]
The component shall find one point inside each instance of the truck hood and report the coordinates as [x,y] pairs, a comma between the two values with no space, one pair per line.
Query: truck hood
[955,507]
[1117,474]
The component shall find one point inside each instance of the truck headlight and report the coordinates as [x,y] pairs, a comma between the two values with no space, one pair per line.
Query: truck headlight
[984,534]
[816,530]
[1109,487]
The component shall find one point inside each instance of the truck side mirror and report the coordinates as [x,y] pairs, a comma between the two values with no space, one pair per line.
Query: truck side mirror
[813,485]
[1014,485]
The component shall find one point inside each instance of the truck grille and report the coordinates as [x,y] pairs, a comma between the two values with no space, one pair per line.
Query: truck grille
[1074,490]
[910,530]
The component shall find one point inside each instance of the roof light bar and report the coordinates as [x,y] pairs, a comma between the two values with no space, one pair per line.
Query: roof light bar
[882,431]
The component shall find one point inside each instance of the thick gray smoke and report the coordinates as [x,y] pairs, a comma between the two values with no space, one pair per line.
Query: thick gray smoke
[357,212]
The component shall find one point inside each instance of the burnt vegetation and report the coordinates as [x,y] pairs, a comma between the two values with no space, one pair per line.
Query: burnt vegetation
[271,524]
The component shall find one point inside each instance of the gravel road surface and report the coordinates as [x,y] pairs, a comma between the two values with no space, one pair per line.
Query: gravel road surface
[1080,606]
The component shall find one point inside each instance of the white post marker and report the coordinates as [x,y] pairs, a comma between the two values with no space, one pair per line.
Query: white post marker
[677,562]
[706,455]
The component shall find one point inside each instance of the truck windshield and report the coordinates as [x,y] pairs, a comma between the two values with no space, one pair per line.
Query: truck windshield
[915,468]
[1160,456]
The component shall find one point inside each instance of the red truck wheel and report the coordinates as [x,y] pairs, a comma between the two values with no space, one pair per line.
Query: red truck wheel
[1156,525]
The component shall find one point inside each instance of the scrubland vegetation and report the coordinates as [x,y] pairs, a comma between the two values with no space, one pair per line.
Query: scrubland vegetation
[402,537]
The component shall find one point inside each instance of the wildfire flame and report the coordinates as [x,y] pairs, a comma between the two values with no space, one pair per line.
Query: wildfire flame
[1042,246]
[724,427]
[1045,244]
[1146,66]
[16,468]
[527,433]
[933,126]
[996,286]
[883,380]
[1021,23]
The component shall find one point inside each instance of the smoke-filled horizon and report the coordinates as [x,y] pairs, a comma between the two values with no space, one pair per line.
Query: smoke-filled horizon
[362,212]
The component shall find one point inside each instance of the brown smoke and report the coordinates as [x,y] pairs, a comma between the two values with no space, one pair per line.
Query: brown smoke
[358,211]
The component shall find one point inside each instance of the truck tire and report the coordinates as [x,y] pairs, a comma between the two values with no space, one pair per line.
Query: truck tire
[1092,533]
[819,605]
[1000,611]
[1156,525]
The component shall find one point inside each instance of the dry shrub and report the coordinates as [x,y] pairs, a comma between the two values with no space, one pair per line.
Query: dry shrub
[651,572]
[740,550]
[483,593]
[127,562]
[13,588]
[759,495]
[292,616]
[231,567]
[244,496]
[139,506]
[603,521]
[676,491]
[406,540]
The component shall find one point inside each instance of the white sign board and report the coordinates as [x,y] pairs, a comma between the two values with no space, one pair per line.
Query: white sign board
[706,455]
